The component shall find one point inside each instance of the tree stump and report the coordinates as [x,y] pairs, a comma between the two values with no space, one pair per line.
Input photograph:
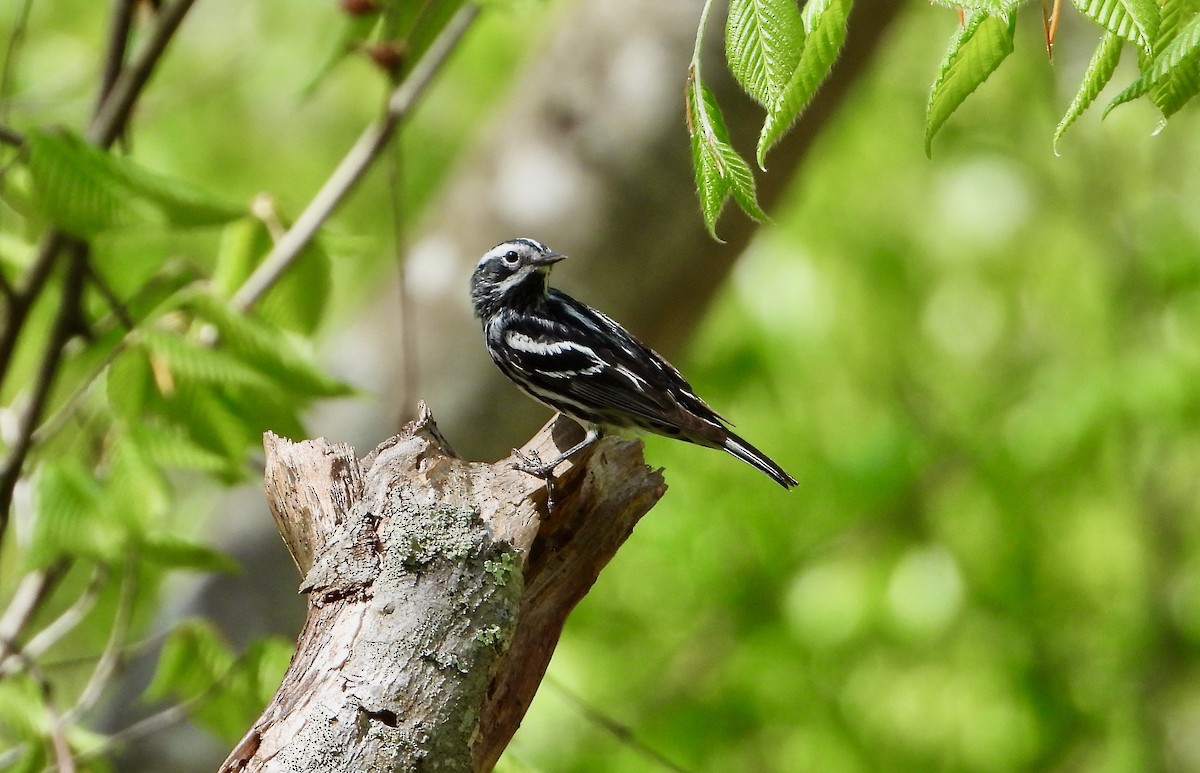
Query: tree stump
[437,590]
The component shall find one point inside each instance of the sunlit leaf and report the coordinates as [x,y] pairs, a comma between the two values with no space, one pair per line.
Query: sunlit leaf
[1175,72]
[298,300]
[763,41]
[174,552]
[974,54]
[86,190]
[1099,71]
[267,349]
[1134,20]
[720,171]
[190,361]
[825,28]
[70,516]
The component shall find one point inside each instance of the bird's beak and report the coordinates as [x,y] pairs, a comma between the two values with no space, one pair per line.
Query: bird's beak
[549,259]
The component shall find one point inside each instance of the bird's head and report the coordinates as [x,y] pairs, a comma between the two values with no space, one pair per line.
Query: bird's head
[513,273]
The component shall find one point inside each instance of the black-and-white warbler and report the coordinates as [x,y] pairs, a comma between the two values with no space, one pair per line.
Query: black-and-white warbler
[581,363]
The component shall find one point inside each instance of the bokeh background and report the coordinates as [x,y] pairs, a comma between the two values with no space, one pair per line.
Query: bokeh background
[983,368]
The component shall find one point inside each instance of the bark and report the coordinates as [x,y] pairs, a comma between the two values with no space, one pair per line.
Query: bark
[437,589]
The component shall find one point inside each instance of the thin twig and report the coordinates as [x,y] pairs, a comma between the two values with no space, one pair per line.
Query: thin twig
[119,25]
[110,297]
[71,616]
[408,337]
[64,328]
[620,731]
[11,137]
[62,625]
[31,591]
[354,164]
[15,39]
[111,657]
[22,300]
[114,112]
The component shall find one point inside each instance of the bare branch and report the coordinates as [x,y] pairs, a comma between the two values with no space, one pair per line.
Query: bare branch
[31,591]
[111,656]
[11,137]
[21,302]
[15,39]
[71,617]
[619,730]
[64,328]
[119,25]
[113,114]
[354,164]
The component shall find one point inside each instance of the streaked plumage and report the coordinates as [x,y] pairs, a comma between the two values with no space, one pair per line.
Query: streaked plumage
[580,362]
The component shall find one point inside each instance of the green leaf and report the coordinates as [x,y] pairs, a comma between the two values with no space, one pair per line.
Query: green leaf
[189,361]
[298,300]
[168,447]
[763,41]
[974,54]
[209,420]
[69,519]
[720,171]
[1134,20]
[1099,71]
[177,553]
[194,657]
[129,383]
[267,349]
[825,28]
[136,494]
[85,190]
[1175,72]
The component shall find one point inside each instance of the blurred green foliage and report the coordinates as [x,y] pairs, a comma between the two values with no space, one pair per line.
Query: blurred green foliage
[984,371]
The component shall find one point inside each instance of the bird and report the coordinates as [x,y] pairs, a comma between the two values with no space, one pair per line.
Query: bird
[581,363]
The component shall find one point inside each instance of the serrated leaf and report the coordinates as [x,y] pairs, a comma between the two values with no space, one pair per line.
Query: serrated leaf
[763,41]
[1181,83]
[194,657]
[825,32]
[267,349]
[208,419]
[136,493]
[1099,71]
[129,383]
[974,54]
[174,552]
[69,516]
[85,190]
[189,361]
[1134,20]
[168,447]
[720,171]
[1175,72]
[298,300]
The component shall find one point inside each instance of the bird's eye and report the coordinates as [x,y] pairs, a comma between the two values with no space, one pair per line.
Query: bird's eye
[511,258]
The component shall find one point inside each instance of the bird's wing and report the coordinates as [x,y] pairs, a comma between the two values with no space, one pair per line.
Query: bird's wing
[584,363]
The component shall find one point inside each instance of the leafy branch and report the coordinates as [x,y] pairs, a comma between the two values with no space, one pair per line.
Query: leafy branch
[780,54]
[181,367]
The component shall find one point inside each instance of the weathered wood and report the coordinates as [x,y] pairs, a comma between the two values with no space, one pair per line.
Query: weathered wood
[437,590]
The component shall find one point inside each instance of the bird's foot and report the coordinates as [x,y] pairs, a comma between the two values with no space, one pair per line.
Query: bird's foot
[531,464]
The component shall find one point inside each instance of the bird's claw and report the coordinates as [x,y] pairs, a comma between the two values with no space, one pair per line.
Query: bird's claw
[531,464]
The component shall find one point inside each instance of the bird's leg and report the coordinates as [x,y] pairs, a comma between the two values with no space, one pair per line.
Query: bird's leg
[532,463]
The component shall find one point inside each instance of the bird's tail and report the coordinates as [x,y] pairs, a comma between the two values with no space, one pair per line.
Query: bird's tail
[757,459]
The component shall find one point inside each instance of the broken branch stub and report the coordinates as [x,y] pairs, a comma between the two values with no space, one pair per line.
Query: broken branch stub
[437,590]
